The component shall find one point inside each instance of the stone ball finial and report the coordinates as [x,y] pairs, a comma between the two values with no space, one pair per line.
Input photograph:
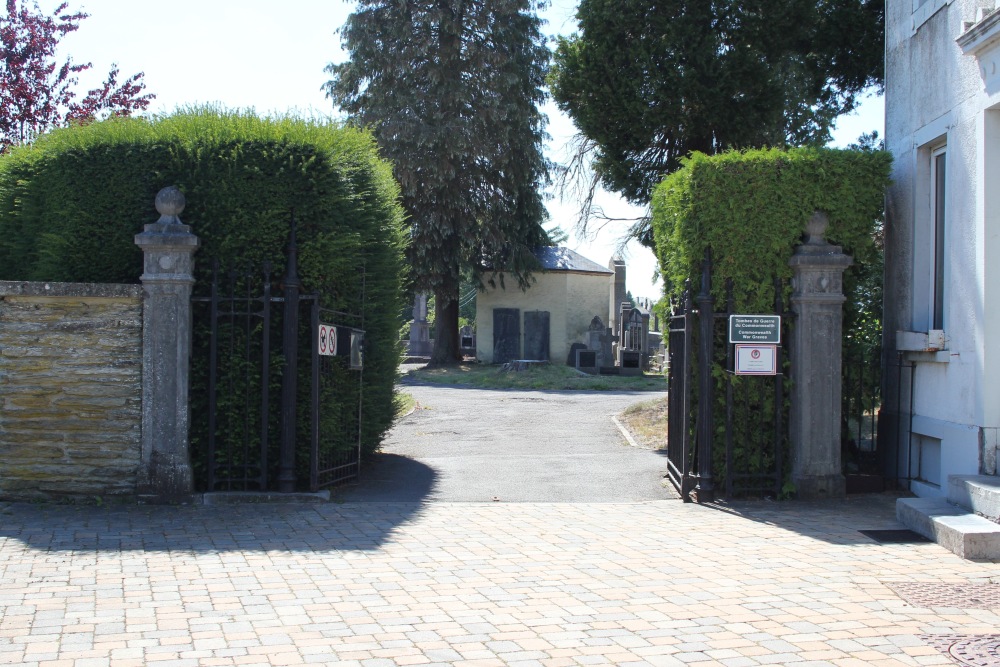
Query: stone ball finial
[169,204]
[816,227]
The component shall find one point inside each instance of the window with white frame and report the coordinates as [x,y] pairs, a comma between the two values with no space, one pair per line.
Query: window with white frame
[938,192]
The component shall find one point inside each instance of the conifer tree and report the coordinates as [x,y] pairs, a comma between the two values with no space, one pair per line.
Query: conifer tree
[451,90]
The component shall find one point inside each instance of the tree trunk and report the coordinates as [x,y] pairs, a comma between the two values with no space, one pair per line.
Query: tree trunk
[446,348]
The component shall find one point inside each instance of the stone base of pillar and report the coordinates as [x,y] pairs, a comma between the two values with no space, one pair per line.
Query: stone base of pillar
[817,487]
[167,481]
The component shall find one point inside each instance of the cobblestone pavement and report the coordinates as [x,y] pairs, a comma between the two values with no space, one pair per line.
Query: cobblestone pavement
[448,583]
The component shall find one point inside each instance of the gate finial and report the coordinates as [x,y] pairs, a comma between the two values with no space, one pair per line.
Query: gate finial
[170,203]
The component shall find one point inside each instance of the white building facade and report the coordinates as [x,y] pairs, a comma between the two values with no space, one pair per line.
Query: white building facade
[941,411]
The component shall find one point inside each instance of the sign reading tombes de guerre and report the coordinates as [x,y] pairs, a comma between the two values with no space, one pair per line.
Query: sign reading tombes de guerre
[761,329]
[756,338]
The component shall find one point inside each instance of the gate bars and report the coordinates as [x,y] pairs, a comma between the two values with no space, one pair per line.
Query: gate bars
[753,414]
[243,427]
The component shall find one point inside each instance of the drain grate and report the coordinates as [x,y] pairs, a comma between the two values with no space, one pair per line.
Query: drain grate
[902,536]
[962,596]
[968,650]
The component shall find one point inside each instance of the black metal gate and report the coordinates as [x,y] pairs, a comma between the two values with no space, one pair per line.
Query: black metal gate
[256,400]
[706,398]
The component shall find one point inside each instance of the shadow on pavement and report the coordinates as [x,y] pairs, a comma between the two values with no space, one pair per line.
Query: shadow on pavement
[248,527]
[390,478]
[835,521]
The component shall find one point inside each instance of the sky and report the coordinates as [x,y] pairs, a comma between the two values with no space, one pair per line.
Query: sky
[270,57]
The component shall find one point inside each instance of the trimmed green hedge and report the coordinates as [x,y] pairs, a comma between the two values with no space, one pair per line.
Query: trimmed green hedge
[71,204]
[751,209]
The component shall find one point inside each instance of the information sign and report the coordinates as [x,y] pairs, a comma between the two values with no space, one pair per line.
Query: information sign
[755,329]
[756,359]
[327,340]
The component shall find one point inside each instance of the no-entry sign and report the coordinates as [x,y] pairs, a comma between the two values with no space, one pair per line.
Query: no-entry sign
[327,340]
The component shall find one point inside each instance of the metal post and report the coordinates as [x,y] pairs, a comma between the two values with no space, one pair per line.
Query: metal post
[704,491]
[779,396]
[289,379]
[265,373]
[730,367]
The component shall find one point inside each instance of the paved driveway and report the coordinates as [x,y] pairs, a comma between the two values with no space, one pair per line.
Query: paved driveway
[643,582]
[465,444]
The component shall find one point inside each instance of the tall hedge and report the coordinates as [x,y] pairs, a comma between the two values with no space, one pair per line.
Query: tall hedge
[751,209]
[71,204]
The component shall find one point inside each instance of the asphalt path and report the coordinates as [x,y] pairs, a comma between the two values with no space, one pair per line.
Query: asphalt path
[466,444]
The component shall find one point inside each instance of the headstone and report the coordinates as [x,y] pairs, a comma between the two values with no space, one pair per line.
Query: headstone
[586,361]
[467,339]
[420,333]
[616,297]
[608,341]
[631,362]
[594,334]
[571,357]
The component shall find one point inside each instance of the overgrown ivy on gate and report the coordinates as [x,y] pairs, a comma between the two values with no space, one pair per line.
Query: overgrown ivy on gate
[736,443]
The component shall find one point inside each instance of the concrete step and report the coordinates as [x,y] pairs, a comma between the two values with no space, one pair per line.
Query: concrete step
[955,528]
[979,493]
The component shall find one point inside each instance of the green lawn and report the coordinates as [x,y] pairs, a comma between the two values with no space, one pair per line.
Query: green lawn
[545,376]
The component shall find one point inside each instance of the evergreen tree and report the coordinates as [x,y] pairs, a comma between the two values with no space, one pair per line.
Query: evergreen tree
[648,83]
[451,90]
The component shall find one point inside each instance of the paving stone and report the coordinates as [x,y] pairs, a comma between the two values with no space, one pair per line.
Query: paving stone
[657,583]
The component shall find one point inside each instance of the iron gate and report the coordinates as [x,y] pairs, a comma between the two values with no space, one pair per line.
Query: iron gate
[750,459]
[256,398]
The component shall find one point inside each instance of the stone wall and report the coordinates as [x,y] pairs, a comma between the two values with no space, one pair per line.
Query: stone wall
[70,389]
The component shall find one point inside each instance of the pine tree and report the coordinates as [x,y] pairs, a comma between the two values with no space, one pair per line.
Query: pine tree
[451,90]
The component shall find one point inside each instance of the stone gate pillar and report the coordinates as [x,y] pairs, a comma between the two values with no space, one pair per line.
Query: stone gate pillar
[817,300]
[165,469]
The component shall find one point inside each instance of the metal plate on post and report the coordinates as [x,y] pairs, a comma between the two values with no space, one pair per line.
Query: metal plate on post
[756,359]
[327,340]
[759,329]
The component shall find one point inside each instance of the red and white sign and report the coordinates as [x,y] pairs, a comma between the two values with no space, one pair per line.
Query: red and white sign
[327,340]
[756,359]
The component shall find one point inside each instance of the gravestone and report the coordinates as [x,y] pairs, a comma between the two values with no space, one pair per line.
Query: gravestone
[586,361]
[608,340]
[467,340]
[420,334]
[571,357]
[594,335]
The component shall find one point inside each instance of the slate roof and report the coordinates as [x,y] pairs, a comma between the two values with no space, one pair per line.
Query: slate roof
[555,258]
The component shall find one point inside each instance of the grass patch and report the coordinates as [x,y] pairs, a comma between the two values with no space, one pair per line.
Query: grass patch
[540,377]
[647,422]
[402,403]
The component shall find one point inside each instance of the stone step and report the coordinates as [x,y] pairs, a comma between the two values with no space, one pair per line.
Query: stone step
[955,528]
[979,493]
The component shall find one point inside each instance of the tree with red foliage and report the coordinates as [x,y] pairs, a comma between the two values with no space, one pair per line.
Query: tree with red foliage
[36,93]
